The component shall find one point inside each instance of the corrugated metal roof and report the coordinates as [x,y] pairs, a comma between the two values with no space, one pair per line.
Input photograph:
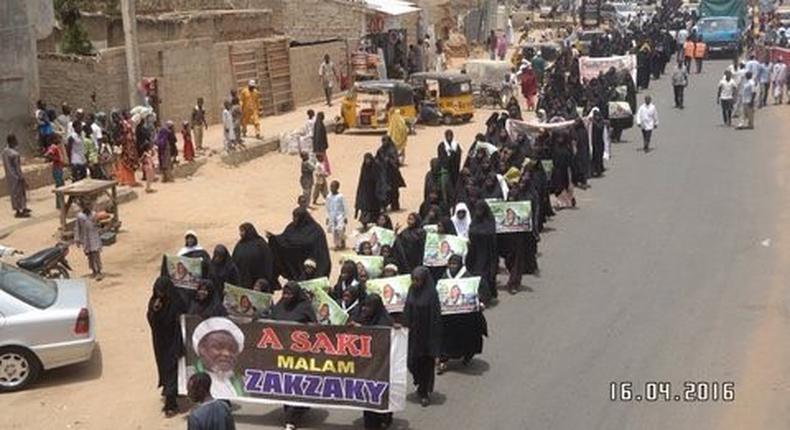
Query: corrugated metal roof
[392,7]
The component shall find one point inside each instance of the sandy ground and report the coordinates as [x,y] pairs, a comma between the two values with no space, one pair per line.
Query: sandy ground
[122,376]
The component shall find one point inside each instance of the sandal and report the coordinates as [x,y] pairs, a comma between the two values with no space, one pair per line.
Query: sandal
[441,368]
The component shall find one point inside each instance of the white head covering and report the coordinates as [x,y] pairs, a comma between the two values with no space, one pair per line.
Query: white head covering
[251,83]
[461,225]
[187,249]
[215,324]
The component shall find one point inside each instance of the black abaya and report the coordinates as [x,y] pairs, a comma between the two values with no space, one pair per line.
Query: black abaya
[422,314]
[163,319]
[409,248]
[303,238]
[253,258]
[581,159]
[371,190]
[462,334]
[482,258]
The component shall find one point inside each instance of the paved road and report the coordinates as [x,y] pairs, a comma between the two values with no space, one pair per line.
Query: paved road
[661,275]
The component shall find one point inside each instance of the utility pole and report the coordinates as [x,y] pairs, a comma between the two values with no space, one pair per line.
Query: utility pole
[130,42]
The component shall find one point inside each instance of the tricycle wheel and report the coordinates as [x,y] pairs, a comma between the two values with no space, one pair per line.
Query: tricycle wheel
[340,128]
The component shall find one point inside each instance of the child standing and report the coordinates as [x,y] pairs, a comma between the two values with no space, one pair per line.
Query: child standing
[149,155]
[189,148]
[306,179]
[86,235]
[321,173]
[336,219]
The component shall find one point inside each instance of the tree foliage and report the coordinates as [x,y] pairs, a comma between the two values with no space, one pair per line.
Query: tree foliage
[75,39]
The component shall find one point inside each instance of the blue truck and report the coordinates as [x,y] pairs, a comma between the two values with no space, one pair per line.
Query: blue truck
[722,24]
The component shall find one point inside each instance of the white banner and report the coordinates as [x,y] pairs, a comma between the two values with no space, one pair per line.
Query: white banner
[590,67]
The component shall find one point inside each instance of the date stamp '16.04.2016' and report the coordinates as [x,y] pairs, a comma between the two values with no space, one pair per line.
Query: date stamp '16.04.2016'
[660,391]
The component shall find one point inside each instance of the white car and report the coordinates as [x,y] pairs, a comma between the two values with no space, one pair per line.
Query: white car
[44,324]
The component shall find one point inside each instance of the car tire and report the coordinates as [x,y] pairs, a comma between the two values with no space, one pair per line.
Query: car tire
[19,367]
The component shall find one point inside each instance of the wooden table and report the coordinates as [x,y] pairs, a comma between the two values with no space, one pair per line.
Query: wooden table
[89,189]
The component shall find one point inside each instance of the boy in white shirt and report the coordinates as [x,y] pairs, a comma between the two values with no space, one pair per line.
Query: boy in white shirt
[336,218]
[647,120]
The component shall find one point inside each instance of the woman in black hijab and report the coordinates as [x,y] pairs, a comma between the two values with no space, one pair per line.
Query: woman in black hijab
[462,334]
[373,313]
[409,245]
[351,301]
[449,154]
[422,314]
[206,303]
[581,157]
[320,139]
[223,269]
[482,258]
[252,257]
[294,306]
[387,158]
[597,129]
[303,238]
[371,191]
[164,311]
[347,279]
[562,158]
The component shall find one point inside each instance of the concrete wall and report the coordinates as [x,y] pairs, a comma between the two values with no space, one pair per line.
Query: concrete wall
[312,20]
[305,61]
[18,84]
[183,68]
[187,69]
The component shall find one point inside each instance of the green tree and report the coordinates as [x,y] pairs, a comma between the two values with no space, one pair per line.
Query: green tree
[75,38]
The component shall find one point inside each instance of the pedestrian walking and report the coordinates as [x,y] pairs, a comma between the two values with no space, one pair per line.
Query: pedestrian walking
[17,185]
[764,80]
[688,53]
[373,313]
[328,74]
[321,174]
[186,135]
[748,99]
[726,96]
[149,166]
[306,178]
[336,216]
[167,150]
[680,79]
[422,315]
[700,50]
[55,158]
[778,81]
[199,123]
[250,99]
[86,235]
[210,413]
[293,306]
[647,120]
[491,44]
[164,311]
[228,132]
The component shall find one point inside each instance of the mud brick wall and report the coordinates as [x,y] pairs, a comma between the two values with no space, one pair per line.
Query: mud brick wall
[305,61]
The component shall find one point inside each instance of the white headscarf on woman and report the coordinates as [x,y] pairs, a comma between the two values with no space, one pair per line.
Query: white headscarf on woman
[461,224]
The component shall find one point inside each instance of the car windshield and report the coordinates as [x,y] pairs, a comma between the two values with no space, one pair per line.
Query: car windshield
[28,288]
[718,25]
[624,7]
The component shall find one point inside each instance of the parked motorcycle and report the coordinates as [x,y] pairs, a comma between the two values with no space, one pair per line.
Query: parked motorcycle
[49,263]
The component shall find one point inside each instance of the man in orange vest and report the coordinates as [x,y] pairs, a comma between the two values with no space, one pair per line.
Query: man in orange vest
[699,53]
[688,53]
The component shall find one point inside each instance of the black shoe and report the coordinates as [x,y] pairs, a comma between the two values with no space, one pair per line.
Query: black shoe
[425,401]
